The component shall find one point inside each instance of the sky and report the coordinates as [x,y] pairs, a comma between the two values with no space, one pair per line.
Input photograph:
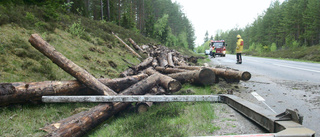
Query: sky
[213,15]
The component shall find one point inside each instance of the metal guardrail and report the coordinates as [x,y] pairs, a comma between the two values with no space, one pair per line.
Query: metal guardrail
[286,124]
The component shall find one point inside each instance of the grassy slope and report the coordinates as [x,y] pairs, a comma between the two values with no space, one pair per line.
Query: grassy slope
[93,51]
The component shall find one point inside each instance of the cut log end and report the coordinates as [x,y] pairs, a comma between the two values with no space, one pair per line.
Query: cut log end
[174,86]
[143,106]
[246,76]
[207,76]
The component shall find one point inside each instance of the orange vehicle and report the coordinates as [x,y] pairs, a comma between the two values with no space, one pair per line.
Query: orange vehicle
[220,46]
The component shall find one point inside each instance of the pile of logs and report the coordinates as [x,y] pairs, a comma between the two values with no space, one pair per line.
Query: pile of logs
[162,72]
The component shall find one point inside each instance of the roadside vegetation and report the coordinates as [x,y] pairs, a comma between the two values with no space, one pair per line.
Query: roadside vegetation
[285,30]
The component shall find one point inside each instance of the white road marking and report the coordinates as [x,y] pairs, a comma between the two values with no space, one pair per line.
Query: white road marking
[259,98]
[297,68]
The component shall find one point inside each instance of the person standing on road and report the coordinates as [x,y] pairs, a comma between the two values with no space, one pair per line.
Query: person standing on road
[239,49]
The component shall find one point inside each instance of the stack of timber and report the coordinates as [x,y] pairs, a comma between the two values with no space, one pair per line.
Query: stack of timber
[161,72]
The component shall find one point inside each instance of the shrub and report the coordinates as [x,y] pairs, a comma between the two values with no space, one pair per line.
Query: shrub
[273,47]
[77,29]
[259,48]
[252,47]
[30,17]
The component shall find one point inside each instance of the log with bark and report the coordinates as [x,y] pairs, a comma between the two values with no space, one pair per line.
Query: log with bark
[67,65]
[128,47]
[169,70]
[136,46]
[230,75]
[170,60]
[79,124]
[168,83]
[135,69]
[203,76]
[20,92]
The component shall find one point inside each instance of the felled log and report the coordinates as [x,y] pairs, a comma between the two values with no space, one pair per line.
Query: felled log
[155,62]
[169,70]
[201,77]
[20,92]
[136,46]
[67,65]
[179,63]
[128,47]
[144,64]
[135,69]
[227,74]
[162,58]
[79,124]
[170,61]
[168,83]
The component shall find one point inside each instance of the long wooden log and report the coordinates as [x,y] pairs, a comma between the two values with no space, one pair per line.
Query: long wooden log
[135,69]
[155,62]
[67,65]
[169,70]
[170,60]
[201,77]
[144,64]
[168,83]
[136,46]
[227,74]
[128,47]
[79,124]
[162,58]
[20,92]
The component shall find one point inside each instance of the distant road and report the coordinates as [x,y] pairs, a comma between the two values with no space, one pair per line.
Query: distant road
[283,84]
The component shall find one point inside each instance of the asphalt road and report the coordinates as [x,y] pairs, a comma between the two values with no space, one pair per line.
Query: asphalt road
[283,84]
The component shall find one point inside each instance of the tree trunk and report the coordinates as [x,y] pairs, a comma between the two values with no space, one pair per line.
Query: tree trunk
[134,70]
[155,62]
[144,64]
[170,61]
[227,74]
[79,124]
[169,70]
[128,47]
[101,8]
[162,58]
[201,77]
[137,47]
[168,83]
[67,65]
[20,92]
[108,10]
[179,63]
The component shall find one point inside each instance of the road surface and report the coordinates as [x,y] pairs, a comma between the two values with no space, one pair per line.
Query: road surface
[283,84]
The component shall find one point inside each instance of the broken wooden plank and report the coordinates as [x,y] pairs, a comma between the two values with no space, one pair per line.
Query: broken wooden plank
[131,98]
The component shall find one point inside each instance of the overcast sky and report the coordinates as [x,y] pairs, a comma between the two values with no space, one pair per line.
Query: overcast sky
[213,15]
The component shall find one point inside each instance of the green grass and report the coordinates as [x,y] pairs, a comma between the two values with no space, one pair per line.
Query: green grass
[166,119]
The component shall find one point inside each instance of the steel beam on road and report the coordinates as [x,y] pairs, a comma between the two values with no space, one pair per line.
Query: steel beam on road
[132,98]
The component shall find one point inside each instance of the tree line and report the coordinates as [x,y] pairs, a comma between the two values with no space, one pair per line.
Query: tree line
[159,19]
[291,24]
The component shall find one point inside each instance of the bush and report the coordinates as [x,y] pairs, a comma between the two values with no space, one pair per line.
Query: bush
[252,47]
[273,47]
[77,29]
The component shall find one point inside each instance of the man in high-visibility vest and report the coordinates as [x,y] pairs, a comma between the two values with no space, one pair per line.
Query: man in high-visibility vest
[239,49]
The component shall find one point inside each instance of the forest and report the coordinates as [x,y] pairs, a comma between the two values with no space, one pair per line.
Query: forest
[290,24]
[162,20]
